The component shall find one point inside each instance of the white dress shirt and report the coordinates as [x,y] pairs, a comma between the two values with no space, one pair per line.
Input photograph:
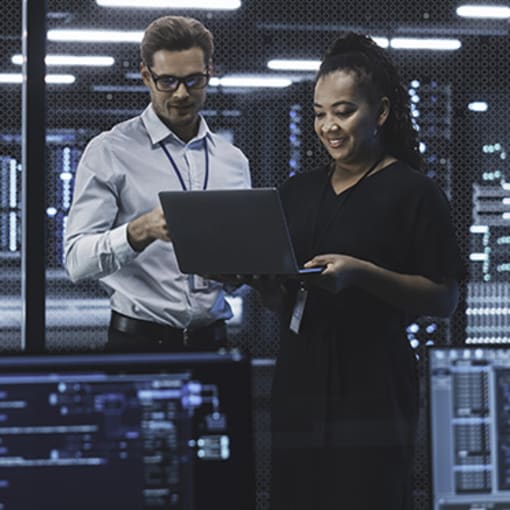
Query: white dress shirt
[118,179]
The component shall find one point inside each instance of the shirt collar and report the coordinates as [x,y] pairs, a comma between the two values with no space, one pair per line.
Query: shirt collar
[159,131]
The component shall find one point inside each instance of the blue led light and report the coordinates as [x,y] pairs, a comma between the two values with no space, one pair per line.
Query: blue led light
[413,328]
[431,328]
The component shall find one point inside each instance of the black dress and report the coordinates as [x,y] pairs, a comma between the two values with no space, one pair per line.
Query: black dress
[345,391]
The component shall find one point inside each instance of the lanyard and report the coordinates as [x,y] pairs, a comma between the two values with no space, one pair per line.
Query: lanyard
[176,168]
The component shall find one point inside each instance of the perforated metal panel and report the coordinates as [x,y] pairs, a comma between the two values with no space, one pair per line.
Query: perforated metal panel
[10,185]
[464,150]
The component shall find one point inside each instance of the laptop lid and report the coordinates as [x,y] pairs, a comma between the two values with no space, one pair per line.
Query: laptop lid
[236,231]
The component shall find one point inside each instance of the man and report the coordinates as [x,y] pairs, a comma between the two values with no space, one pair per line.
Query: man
[116,231]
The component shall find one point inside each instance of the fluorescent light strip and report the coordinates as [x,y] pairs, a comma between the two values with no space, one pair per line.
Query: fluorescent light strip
[479,229]
[173,4]
[478,106]
[310,65]
[483,11]
[383,42]
[11,78]
[294,65]
[64,79]
[405,43]
[250,81]
[70,60]
[243,81]
[397,43]
[76,35]
[478,257]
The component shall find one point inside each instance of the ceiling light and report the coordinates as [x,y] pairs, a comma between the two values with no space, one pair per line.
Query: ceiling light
[310,65]
[240,80]
[253,81]
[95,35]
[173,4]
[483,11]
[478,106]
[70,60]
[11,78]
[65,79]
[50,78]
[404,43]
[478,257]
[383,42]
[294,65]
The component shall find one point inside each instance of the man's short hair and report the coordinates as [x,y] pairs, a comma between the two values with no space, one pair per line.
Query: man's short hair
[176,33]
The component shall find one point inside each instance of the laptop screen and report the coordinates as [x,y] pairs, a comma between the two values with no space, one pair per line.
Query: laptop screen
[130,431]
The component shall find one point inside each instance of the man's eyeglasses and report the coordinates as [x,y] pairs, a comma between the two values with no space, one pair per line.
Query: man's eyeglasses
[167,83]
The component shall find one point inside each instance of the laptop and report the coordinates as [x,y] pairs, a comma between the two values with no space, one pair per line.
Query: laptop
[230,232]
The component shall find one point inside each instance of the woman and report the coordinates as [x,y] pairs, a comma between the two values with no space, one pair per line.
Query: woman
[345,390]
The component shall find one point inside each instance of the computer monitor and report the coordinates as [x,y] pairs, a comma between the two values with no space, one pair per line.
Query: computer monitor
[469,411]
[126,431]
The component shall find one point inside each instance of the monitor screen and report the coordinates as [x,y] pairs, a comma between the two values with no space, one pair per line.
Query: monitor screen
[126,431]
[469,411]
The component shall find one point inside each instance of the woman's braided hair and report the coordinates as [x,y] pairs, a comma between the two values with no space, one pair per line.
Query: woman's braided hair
[377,73]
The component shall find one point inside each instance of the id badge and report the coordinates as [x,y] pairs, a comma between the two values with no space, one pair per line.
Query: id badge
[198,283]
[298,310]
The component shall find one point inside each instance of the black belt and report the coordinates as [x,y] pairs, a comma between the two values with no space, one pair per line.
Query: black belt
[211,336]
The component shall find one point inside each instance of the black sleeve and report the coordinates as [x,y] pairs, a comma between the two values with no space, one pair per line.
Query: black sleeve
[435,252]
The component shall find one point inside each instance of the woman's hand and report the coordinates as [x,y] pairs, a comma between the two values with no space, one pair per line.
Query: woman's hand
[339,271]
[413,293]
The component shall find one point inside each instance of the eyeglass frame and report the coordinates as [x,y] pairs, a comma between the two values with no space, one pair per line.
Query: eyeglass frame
[155,78]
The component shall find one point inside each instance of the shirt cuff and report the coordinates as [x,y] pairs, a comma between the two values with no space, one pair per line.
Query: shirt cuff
[120,246]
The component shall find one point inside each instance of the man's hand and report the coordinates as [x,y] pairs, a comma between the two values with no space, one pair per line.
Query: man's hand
[269,287]
[147,228]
